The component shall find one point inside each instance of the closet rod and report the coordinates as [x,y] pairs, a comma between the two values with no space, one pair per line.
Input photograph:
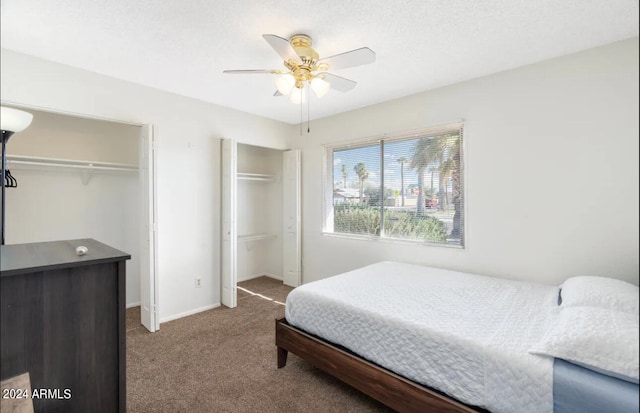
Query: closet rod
[70,163]
[256,237]
[255,177]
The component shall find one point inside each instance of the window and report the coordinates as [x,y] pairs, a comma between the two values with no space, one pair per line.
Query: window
[406,186]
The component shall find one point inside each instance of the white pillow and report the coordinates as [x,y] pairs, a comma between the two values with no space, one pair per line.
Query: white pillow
[598,339]
[600,292]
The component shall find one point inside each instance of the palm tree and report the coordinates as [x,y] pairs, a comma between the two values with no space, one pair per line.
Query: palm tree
[450,169]
[441,154]
[448,165]
[402,160]
[344,175]
[431,170]
[363,174]
[425,152]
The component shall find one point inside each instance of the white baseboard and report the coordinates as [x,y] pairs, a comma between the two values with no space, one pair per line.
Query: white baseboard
[136,304]
[190,312]
[275,277]
[262,274]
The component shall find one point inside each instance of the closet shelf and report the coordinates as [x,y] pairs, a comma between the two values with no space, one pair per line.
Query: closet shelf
[256,177]
[256,237]
[86,168]
[35,161]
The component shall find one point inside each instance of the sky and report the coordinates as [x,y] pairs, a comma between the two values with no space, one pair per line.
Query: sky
[370,156]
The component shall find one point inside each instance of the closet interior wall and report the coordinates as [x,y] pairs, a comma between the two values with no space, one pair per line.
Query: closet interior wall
[259,212]
[61,196]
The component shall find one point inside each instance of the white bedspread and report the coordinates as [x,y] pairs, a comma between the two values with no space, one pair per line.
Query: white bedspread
[465,335]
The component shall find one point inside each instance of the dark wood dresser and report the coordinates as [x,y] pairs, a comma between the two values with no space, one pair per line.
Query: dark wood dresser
[63,321]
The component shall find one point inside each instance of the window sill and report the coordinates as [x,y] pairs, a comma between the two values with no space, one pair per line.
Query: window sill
[390,240]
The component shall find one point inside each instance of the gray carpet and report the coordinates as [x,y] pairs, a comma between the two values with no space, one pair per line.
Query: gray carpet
[224,360]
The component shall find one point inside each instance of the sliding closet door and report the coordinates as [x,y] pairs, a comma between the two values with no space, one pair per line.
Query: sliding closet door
[292,255]
[228,257]
[148,285]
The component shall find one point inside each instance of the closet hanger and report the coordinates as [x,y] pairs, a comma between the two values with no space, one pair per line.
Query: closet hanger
[10,181]
[7,180]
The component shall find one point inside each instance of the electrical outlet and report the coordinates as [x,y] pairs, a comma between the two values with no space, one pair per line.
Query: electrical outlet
[198,282]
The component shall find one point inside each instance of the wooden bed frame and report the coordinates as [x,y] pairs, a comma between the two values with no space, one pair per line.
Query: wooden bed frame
[395,391]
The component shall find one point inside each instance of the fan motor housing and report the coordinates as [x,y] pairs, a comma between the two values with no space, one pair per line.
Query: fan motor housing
[301,43]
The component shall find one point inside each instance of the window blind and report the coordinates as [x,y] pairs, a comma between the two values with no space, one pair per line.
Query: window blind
[405,186]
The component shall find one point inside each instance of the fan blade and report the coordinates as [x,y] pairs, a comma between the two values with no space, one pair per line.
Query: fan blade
[282,47]
[249,72]
[338,83]
[356,57]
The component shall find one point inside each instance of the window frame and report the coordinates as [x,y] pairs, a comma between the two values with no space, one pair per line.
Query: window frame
[328,178]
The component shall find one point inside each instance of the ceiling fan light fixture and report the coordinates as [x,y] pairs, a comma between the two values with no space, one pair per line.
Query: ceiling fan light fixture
[297,96]
[319,86]
[305,70]
[285,83]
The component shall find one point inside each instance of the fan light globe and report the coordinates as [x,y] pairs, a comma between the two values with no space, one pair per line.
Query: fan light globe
[14,120]
[320,87]
[297,96]
[285,83]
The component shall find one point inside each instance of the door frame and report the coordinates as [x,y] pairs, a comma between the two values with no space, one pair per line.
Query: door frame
[228,223]
[228,220]
[150,318]
[292,219]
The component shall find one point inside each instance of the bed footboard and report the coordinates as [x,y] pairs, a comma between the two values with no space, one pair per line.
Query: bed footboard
[383,385]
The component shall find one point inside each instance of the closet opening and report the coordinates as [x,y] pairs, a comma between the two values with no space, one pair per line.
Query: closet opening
[83,177]
[259,203]
[261,215]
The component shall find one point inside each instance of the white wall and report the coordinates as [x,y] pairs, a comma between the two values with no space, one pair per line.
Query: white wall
[551,158]
[52,135]
[188,133]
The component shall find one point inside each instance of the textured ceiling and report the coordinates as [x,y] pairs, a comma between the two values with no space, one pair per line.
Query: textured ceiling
[183,46]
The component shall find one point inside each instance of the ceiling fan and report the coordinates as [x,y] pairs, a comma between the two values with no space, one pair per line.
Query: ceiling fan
[305,67]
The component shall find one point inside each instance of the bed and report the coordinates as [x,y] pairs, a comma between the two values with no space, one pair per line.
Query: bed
[424,339]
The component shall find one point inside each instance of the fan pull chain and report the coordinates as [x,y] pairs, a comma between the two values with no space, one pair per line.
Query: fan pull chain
[301,120]
[308,109]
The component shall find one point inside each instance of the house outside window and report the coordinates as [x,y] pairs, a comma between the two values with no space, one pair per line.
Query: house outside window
[405,186]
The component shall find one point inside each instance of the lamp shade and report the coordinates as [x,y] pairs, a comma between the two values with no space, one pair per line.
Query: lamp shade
[285,83]
[297,96]
[320,87]
[14,120]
